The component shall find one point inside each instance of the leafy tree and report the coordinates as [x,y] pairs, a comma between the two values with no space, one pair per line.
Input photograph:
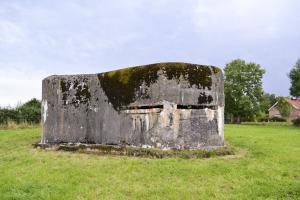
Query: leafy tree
[267,100]
[294,76]
[284,107]
[243,90]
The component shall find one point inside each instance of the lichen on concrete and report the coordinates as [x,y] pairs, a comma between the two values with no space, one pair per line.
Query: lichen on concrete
[79,88]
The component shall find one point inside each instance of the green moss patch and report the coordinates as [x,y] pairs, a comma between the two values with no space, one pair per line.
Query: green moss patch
[121,86]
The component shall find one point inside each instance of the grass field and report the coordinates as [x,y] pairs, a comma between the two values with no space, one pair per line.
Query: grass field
[267,166]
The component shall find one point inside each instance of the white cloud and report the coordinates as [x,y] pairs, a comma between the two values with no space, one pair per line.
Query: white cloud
[19,84]
[247,20]
[10,33]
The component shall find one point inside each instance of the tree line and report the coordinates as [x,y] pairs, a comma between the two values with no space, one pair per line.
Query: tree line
[245,99]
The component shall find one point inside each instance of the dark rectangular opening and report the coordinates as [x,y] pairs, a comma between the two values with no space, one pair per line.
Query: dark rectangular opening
[195,107]
[142,107]
[179,106]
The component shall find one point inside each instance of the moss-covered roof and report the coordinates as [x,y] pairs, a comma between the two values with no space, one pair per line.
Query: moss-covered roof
[120,86]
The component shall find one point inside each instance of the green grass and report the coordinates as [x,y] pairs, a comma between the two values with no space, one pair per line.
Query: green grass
[266,167]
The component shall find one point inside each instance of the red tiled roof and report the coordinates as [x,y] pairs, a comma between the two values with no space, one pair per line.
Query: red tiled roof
[295,103]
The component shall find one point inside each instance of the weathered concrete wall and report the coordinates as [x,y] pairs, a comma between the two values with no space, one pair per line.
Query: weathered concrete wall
[165,105]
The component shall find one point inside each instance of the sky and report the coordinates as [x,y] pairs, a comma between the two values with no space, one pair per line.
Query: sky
[42,38]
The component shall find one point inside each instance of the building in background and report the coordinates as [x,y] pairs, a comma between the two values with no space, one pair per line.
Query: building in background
[294,114]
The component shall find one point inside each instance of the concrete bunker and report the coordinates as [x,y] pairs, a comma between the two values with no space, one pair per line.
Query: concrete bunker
[164,105]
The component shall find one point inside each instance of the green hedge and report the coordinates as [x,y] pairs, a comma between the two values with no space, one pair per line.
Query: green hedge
[29,112]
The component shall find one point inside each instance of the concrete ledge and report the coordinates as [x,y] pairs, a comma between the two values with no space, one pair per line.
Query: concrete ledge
[125,150]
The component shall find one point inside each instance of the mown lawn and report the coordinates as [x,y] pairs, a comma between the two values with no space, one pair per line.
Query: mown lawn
[266,167]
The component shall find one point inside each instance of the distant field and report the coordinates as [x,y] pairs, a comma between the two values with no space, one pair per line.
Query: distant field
[267,166]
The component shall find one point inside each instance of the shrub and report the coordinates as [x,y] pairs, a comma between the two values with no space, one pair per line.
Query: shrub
[296,122]
[8,114]
[277,119]
[30,113]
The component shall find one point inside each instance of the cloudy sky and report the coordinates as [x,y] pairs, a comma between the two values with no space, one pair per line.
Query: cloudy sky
[41,38]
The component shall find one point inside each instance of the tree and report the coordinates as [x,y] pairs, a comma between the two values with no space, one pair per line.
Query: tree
[294,76]
[267,100]
[243,90]
[284,107]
